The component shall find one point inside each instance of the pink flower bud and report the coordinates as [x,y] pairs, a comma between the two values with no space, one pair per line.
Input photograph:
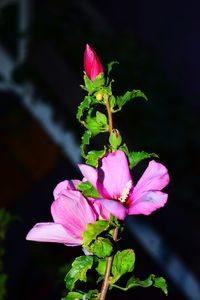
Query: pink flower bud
[92,64]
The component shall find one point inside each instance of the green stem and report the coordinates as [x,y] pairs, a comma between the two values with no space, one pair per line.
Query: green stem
[106,282]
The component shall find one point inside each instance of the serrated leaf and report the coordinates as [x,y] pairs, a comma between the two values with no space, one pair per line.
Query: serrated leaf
[93,157]
[84,105]
[136,157]
[123,263]
[93,230]
[161,283]
[121,100]
[85,141]
[88,190]
[73,296]
[80,266]
[101,247]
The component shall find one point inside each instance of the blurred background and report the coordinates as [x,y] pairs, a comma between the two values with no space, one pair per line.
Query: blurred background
[41,67]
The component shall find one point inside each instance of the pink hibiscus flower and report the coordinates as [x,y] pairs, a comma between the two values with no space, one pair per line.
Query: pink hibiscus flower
[119,195]
[70,211]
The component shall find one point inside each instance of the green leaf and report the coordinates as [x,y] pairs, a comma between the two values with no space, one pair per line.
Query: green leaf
[101,119]
[93,230]
[124,148]
[73,296]
[112,101]
[78,271]
[101,247]
[160,283]
[97,124]
[136,157]
[85,105]
[123,263]
[121,100]
[85,141]
[93,157]
[101,267]
[88,190]
[92,295]
[133,282]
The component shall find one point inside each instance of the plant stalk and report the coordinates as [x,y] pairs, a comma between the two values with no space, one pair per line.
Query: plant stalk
[110,121]
[106,281]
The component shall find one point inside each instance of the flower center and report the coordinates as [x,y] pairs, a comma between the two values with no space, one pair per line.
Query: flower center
[126,191]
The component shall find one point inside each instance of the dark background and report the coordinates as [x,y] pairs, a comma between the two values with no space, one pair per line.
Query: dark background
[157,45]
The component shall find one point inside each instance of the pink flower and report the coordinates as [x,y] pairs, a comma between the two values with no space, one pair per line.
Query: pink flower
[92,64]
[119,196]
[70,211]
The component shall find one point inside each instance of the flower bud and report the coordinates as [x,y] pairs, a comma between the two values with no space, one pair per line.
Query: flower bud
[115,139]
[92,64]
[99,96]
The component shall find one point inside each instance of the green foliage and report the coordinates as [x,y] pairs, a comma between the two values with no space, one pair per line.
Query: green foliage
[122,100]
[73,296]
[101,246]
[84,106]
[88,190]
[97,124]
[91,295]
[93,230]
[93,156]
[80,266]
[136,157]
[93,86]
[123,263]
[158,282]
[101,267]
[85,141]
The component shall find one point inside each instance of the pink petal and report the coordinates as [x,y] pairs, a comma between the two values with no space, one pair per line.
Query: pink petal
[147,203]
[89,173]
[65,185]
[113,175]
[52,232]
[114,207]
[73,211]
[101,211]
[155,178]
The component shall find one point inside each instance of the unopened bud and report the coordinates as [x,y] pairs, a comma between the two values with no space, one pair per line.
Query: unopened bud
[115,139]
[99,96]
[92,64]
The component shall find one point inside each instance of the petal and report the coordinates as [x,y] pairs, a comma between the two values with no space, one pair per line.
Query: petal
[89,173]
[73,211]
[114,207]
[148,202]
[65,185]
[101,211]
[52,232]
[155,178]
[113,175]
